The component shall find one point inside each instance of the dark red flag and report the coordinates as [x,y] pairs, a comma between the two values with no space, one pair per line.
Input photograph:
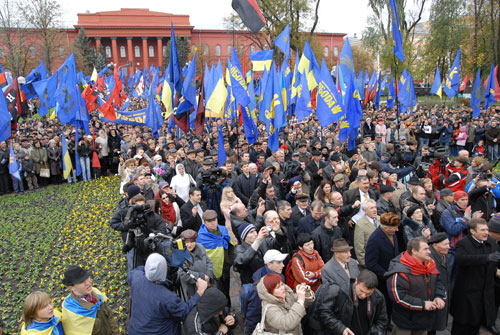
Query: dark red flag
[199,121]
[250,14]
[463,85]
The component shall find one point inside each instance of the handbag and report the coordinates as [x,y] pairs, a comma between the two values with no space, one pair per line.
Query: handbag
[259,328]
[45,173]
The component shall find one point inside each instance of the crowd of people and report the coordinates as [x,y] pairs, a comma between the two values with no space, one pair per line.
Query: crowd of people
[391,236]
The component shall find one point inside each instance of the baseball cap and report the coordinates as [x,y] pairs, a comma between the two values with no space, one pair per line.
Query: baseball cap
[274,255]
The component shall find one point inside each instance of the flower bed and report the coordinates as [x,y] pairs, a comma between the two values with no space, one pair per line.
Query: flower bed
[45,231]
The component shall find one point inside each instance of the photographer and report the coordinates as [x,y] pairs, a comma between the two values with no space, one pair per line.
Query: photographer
[213,181]
[136,222]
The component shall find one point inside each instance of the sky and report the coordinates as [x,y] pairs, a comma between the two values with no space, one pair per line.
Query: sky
[335,16]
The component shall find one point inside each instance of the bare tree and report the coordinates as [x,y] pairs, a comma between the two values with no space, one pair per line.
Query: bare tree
[44,17]
[12,32]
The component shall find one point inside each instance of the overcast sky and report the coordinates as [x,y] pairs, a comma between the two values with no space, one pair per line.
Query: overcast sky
[335,16]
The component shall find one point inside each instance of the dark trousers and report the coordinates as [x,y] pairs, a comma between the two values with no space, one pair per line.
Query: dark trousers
[460,329]
[4,183]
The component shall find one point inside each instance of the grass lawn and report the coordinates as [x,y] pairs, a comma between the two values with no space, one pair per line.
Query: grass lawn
[43,232]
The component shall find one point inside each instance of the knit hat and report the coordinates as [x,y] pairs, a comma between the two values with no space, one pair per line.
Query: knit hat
[244,229]
[494,224]
[460,195]
[412,210]
[132,191]
[271,280]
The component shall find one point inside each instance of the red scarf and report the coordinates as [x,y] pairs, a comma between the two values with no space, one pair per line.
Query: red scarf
[167,211]
[417,268]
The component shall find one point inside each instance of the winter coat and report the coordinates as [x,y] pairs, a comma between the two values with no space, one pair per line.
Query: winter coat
[462,136]
[28,167]
[445,135]
[244,187]
[39,157]
[334,272]
[414,229]
[307,262]
[307,224]
[441,206]
[379,253]
[332,311]
[323,240]
[55,163]
[443,266]
[285,315]
[84,149]
[474,291]
[201,320]
[155,309]
[189,273]
[4,161]
[408,293]
[481,199]
[454,224]
[490,134]
[102,146]
[248,260]
[188,220]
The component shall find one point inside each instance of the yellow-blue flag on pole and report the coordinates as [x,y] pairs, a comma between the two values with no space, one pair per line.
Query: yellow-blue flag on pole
[453,79]
[67,166]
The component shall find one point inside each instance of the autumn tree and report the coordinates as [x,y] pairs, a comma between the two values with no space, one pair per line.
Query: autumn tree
[183,51]
[84,54]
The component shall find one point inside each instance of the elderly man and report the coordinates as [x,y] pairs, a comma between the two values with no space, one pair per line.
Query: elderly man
[415,289]
[384,203]
[310,222]
[341,269]
[361,193]
[277,238]
[473,299]
[364,228]
[217,243]
[85,310]
[156,309]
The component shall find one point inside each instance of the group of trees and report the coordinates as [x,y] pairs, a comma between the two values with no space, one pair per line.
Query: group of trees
[472,25]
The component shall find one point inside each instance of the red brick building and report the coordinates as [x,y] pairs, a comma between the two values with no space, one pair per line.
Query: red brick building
[138,37]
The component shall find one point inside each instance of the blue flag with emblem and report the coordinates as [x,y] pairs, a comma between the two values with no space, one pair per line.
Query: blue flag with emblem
[437,87]
[349,123]
[273,108]
[378,91]
[238,82]
[489,95]
[188,99]
[221,153]
[13,165]
[36,75]
[303,106]
[452,81]
[391,94]
[283,41]
[154,118]
[347,62]
[173,68]
[475,99]
[329,106]
[396,32]
[404,92]
[5,120]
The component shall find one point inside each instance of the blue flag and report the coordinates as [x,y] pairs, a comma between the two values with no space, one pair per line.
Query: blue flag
[273,108]
[360,85]
[329,107]
[396,32]
[436,85]
[36,75]
[221,153]
[13,165]
[347,62]
[404,92]
[154,119]
[475,99]
[489,95]
[391,94]
[188,99]
[303,106]
[46,90]
[67,95]
[238,82]
[283,41]
[349,124]
[5,119]
[378,91]
[173,68]
[453,79]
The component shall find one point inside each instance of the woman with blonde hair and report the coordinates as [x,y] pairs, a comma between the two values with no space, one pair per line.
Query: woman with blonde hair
[228,199]
[39,315]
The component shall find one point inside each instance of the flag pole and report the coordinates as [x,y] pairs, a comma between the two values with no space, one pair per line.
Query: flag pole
[396,89]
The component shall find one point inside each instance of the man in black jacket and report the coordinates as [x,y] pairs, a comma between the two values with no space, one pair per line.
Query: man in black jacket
[315,168]
[4,168]
[248,255]
[362,312]
[192,211]
[415,289]
[245,184]
[345,212]
[324,235]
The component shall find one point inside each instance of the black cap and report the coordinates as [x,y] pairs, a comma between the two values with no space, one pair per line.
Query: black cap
[445,192]
[386,188]
[494,224]
[75,275]
[316,153]
[438,237]
[335,157]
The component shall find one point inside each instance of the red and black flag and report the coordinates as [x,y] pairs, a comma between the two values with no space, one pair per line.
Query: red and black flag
[250,14]
[199,121]
[13,97]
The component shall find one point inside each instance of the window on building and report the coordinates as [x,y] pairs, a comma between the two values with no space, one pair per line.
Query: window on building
[108,51]
[151,51]
[31,49]
[137,51]
[252,48]
[217,50]
[164,51]
[325,52]
[336,51]
[123,53]
[205,50]
[229,49]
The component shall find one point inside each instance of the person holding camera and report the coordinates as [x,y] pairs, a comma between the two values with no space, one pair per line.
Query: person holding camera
[211,316]
[155,309]
[136,222]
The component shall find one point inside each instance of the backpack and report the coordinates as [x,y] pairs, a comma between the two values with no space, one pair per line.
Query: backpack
[290,280]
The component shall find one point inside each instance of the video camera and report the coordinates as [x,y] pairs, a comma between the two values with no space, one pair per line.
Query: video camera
[212,175]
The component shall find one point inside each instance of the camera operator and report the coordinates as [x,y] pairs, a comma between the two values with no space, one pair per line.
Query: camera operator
[214,181]
[455,175]
[136,222]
